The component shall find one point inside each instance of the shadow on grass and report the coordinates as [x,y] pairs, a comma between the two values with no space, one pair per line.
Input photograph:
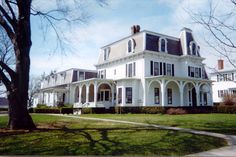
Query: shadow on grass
[59,139]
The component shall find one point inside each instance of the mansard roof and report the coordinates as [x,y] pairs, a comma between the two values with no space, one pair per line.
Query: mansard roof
[183,45]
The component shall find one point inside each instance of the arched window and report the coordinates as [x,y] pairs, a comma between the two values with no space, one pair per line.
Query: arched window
[193,48]
[162,45]
[131,45]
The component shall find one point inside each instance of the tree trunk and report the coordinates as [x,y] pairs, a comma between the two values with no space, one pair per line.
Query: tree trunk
[19,117]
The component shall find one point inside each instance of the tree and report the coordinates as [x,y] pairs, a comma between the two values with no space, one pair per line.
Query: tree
[221,27]
[34,87]
[15,16]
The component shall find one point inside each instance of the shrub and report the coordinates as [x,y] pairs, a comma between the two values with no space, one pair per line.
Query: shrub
[31,110]
[86,111]
[60,104]
[67,110]
[225,109]
[3,109]
[152,109]
[175,111]
[68,105]
[229,99]
[46,110]
[42,106]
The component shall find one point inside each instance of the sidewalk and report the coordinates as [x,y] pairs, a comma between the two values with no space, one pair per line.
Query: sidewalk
[224,151]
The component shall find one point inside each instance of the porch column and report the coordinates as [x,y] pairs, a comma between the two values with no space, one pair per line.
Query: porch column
[163,92]
[87,93]
[95,93]
[123,96]
[144,92]
[181,91]
[197,88]
[80,92]
[112,95]
[211,95]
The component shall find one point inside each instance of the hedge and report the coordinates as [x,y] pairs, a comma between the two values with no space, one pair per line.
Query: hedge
[46,110]
[67,110]
[225,109]
[3,109]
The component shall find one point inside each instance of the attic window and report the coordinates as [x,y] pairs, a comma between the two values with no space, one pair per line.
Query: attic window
[162,44]
[193,48]
[106,53]
[131,45]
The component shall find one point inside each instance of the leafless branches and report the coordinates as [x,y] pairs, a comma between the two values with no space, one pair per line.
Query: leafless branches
[222,29]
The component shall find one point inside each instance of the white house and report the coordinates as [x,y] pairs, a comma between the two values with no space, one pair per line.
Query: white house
[224,82]
[57,87]
[142,69]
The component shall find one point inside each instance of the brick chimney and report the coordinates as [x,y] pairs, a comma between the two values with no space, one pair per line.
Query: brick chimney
[220,64]
[135,29]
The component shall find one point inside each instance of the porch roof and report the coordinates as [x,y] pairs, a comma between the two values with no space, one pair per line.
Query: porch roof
[92,80]
[178,78]
[59,88]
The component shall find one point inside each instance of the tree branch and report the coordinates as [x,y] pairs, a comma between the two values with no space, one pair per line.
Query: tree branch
[5,80]
[8,69]
[9,19]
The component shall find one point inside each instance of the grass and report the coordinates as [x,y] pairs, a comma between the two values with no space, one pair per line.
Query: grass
[220,123]
[67,136]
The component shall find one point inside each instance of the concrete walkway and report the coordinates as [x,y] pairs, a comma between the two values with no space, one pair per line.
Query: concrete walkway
[224,151]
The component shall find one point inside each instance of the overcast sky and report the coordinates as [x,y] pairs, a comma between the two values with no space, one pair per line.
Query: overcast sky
[110,23]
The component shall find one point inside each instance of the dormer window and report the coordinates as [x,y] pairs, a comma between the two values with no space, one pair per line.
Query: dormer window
[193,48]
[162,45]
[131,45]
[106,53]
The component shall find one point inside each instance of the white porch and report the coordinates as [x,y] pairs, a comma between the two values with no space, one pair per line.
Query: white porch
[94,93]
[176,91]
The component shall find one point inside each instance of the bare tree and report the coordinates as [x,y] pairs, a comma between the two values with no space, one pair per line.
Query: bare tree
[221,27]
[15,16]
[34,87]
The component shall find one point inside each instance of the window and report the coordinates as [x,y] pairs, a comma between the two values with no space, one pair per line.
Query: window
[193,48]
[192,71]
[128,95]
[114,71]
[106,53]
[130,69]
[218,79]
[131,45]
[104,95]
[232,76]
[119,95]
[197,72]
[169,95]
[162,45]
[156,69]
[102,74]
[151,67]
[156,96]
[168,70]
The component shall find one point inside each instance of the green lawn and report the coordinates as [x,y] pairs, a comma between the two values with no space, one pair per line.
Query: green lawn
[221,123]
[67,136]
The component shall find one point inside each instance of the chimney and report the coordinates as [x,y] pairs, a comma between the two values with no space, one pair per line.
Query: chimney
[220,64]
[135,29]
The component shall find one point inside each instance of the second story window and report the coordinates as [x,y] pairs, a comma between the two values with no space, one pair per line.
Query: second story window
[131,45]
[162,45]
[102,74]
[131,69]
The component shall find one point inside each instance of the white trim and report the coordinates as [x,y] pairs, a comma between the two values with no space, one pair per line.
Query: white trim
[159,42]
[132,45]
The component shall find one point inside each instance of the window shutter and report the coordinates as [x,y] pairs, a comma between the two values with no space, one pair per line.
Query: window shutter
[200,72]
[188,70]
[164,68]
[151,68]
[104,74]
[160,68]
[173,70]
[134,68]
[126,70]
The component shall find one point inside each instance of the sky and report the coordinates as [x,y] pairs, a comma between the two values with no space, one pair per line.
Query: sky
[109,23]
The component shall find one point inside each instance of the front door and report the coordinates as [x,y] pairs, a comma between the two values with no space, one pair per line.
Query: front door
[194,99]
[105,94]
